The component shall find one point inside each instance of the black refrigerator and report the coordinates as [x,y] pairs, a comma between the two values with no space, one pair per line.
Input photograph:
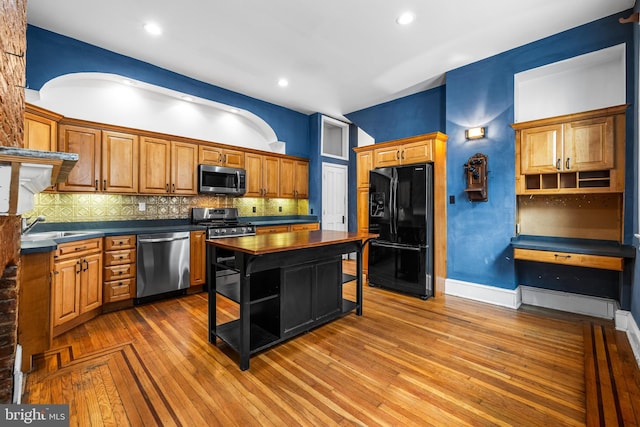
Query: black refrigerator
[401,212]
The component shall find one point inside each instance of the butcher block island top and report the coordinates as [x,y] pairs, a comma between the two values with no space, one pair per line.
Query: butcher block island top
[284,284]
[278,242]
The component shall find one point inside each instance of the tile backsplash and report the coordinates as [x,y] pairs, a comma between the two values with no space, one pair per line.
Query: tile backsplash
[68,207]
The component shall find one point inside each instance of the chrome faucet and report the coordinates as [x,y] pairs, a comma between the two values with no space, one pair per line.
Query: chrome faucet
[26,227]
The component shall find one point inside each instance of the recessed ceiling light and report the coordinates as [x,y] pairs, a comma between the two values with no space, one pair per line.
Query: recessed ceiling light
[283,82]
[153,28]
[406,18]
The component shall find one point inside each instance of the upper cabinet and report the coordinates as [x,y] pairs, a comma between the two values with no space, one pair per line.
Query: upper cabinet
[403,154]
[168,167]
[294,178]
[108,161]
[210,155]
[40,129]
[263,175]
[581,152]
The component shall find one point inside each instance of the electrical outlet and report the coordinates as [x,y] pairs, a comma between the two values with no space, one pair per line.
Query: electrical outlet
[279,208]
[254,209]
[142,206]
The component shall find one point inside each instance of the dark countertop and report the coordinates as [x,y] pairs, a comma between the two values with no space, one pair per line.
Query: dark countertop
[279,220]
[101,229]
[579,246]
[117,228]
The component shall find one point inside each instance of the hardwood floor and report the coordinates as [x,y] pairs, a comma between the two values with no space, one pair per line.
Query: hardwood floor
[445,361]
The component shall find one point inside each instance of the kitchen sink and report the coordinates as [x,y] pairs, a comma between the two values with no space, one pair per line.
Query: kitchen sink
[50,235]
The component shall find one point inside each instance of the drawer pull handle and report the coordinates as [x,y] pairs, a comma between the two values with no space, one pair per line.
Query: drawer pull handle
[562,256]
[82,248]
[121,257]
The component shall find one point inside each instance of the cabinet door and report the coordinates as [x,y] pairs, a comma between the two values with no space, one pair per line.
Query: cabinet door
[301,179]
[388,156]
[198,257]
[86,142]
[66,294]
[91,282]
[541,150]
[416,152]
[184,161]
[210,155]
[40,133]
[363,210]
[253,165]
[119,162]
[287,178]
[233,158]
[155,161]
[296,300]
[589,144]
[271,176]
[305,227]
[364,163]
[327,289]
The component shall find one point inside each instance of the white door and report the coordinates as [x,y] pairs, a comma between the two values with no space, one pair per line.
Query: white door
[334,197]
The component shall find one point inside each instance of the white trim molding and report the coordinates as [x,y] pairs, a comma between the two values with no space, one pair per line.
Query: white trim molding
[625,322]
[565,301]
[510,298]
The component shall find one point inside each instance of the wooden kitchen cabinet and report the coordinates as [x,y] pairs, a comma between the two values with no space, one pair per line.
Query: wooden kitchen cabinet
[198,257]
[77,284]
[575,153]
[34,306]
[263,175]
[119,274]
[168,167]
[108,161]
[218,156]
[40,129]
[403,154]
[294,178]
[267,229]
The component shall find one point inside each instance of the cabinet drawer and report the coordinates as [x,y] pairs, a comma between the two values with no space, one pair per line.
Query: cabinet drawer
[116,272]
[569,258]
[126,256]
[272,229]
[119,242]
[78,248]
[305,227]
[119,290]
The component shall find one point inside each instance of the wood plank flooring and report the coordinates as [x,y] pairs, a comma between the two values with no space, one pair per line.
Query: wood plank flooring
[444,362]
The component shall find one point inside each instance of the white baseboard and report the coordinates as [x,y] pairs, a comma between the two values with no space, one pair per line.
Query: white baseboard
[626,322]
[490,294]
[573,303]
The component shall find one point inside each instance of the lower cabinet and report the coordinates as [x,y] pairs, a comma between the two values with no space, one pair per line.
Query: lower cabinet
[198,257]
[77,284]
[307,226]
[119,270]
[310,293]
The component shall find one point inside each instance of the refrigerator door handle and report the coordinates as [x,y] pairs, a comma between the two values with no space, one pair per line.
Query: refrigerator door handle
[395,246]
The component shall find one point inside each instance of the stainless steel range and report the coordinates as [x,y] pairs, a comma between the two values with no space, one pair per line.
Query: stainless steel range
[221,222]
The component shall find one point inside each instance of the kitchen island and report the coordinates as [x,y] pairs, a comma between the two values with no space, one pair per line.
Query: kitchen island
[285,284]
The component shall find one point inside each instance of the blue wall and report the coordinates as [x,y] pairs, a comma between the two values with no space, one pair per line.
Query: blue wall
[50,55]
[482,94]
[416,114]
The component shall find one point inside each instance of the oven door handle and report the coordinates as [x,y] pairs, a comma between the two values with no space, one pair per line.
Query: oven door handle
[396,246]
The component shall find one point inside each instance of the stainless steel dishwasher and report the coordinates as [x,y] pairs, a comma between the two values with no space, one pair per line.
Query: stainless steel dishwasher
[163,264]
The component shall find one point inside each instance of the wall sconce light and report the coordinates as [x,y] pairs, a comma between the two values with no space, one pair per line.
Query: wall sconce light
[474,133]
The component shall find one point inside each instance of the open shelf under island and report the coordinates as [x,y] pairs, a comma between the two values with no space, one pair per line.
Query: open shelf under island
[285,284]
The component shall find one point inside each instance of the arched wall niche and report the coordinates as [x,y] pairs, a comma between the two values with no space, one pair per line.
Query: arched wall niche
[116,100]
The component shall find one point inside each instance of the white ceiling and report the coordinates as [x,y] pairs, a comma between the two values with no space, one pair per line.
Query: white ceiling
[339,56]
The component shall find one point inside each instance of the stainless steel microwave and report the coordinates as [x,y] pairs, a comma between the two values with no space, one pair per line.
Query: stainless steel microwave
[221,180]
